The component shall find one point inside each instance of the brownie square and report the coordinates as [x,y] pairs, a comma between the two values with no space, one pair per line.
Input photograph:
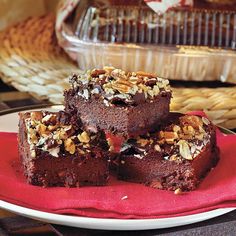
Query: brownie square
[124,103]
[176,157]
[56,151]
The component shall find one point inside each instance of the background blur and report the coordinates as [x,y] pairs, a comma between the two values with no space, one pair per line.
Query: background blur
[12,11]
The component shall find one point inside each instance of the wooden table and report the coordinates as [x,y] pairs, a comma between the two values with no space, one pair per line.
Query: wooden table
[11,224]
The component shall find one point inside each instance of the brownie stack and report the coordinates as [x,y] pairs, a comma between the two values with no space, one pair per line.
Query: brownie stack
[160,149]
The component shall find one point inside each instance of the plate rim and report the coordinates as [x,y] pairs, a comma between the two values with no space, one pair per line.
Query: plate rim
[113,224]
[108,223]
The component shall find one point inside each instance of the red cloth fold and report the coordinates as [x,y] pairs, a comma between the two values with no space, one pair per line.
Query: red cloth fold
[218,190]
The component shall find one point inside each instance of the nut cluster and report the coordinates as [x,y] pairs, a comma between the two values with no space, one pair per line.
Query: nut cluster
[183,140]
[47,134]
[114,83]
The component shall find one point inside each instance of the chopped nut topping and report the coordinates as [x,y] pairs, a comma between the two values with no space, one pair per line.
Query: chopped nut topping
[118,74]
[41,129]
[173,157]
[50,118]
[69,146]
[33,153]
[80,151]
[193,121]
[199,136]
[84,137]
[142,142]
[169,136]
[111,145]
[48,134]
[112,81]
[52,127]
[109,69]
[178,191]
[36,115]
[32,135]
[182,141]
[54,151]
[97,72]
[176,128]
[189,130]
[61,135]
[122,88]
[157,148]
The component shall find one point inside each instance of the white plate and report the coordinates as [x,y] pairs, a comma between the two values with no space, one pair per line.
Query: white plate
[9,123]
[112,224]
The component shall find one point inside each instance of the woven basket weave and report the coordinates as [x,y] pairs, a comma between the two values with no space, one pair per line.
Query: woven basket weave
[32,61]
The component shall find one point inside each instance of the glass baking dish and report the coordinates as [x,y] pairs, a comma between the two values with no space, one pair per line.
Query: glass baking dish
[183,44]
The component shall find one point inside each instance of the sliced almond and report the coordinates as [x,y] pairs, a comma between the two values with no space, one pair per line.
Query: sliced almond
[205,121]
[184,150]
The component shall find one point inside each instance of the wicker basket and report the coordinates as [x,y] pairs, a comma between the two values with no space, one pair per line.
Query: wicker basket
[34,62]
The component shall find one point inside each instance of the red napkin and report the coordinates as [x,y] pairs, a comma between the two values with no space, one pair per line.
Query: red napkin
[120,199]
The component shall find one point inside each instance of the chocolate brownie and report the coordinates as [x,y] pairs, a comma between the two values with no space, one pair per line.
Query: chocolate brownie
[125,103]
[56,151]
[176,157]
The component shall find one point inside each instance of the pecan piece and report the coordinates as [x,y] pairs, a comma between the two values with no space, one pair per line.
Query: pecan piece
[36,115]
[193,121]
[145,74]
[96,72]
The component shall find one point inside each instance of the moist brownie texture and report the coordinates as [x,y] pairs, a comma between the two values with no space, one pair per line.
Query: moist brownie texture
[125,103]
[56,151]
[176,157]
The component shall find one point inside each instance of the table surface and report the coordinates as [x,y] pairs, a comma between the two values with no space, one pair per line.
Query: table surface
[12,224]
